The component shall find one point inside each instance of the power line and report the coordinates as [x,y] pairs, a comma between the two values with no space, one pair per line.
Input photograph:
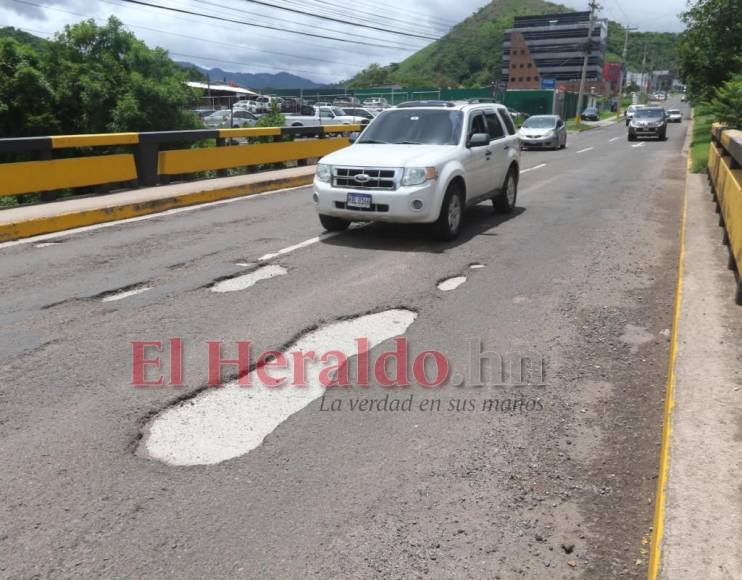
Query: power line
[238,11]
[264,26]
[340,20]
[366,16]
[210,41]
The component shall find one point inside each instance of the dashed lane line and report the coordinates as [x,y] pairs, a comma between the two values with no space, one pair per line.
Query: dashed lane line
[306,243]
[533,168]
[585,150]
[614,139]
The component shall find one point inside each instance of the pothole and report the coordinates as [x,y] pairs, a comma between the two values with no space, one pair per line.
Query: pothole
[221,424]
[123,293]
[451,283]
[247,280]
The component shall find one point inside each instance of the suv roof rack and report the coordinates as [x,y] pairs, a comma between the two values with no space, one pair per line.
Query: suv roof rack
[411,104]
[482,100]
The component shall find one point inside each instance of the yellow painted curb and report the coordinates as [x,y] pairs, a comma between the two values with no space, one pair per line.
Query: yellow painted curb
[46,225]
[658,527]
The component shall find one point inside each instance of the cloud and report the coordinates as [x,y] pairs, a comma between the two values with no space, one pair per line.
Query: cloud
[236,47]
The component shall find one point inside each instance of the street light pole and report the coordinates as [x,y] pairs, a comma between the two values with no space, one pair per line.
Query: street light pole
[594,7]
[623,67]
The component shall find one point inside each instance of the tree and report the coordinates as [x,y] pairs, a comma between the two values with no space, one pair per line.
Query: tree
[26,96]
[273,119]
[726,105]
[106,79]
[710,50]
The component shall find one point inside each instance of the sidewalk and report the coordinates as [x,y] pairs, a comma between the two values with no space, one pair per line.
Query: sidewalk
[24,222]
[703,522]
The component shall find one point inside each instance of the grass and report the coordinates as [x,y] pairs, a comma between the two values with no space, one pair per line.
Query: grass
[572,125]
[699,149]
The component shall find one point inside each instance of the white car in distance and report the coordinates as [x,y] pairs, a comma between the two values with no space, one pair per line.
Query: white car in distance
[422,162]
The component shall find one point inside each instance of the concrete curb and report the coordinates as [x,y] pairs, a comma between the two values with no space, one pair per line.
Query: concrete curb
[15,230]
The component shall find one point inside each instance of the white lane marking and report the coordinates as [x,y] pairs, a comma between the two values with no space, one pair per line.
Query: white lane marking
[614,139]
[168,212]
[221,424]
[476,266]
[247,280]
[309,242]
[125,294]
[451,283]
[533,168]
[642,144]
[46,244]
[585,150]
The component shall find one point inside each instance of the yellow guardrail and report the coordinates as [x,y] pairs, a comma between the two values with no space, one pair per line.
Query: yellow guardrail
[144,160]
[31,176]
[195,160]
[726,178]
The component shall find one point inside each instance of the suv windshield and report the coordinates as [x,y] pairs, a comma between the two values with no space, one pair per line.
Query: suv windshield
[649,113]
[540,123]
[416,127]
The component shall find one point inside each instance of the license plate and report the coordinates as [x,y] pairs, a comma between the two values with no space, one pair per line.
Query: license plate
[358,201]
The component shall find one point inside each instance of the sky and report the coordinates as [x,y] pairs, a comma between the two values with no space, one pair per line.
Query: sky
[237,47]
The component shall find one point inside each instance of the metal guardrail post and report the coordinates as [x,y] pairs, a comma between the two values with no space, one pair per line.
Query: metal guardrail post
[220,142]
[46,155]
[146,158]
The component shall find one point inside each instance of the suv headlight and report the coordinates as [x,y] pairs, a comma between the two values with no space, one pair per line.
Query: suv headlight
[324,172]
[418,175]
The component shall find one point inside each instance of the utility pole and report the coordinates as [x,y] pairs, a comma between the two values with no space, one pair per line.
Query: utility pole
[623,67]
[644,68]
[594,7]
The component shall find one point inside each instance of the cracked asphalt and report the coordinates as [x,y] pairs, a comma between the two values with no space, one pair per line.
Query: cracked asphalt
[582,273]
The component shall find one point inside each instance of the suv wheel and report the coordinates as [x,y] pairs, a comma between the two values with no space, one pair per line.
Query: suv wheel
[505,201]
[333,224]
[632,136]
[663,135]
[448,225]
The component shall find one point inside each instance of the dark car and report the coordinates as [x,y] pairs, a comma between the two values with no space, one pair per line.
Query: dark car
[290,105]
[648,122]
[590,114]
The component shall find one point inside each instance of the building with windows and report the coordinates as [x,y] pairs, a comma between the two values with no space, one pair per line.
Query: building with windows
[547,52]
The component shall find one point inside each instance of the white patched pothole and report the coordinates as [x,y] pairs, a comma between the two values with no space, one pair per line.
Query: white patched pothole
[451,283]
[248,280]
[635,337]
[476,266]
[125,294]
[221,424]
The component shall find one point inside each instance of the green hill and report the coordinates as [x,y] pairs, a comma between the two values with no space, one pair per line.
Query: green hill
[471,53]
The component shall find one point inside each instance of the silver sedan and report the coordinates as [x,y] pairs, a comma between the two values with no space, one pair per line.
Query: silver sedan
[543,132]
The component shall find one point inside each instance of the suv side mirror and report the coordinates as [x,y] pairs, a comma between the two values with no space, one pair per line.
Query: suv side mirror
[478,140]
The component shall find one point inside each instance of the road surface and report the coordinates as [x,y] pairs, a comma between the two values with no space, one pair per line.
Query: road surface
[582,274]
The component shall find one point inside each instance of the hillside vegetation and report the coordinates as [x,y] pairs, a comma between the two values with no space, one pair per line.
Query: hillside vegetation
[470,55]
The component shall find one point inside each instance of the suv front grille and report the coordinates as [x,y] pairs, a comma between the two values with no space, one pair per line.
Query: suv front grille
[345,177]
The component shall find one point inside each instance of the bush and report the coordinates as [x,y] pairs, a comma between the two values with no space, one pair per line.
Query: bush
[726,105]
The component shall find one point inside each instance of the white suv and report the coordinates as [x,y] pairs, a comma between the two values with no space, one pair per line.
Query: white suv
[422,162]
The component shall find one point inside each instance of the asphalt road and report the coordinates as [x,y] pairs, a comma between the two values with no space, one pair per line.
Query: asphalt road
[581,274]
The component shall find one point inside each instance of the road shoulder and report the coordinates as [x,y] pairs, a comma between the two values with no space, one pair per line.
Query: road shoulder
[703,512]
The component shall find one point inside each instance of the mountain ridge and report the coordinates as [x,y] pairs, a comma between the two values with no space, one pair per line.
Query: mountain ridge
[255,81]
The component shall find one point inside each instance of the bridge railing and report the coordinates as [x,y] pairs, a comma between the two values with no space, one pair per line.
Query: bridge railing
[725,174]
[146,159]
